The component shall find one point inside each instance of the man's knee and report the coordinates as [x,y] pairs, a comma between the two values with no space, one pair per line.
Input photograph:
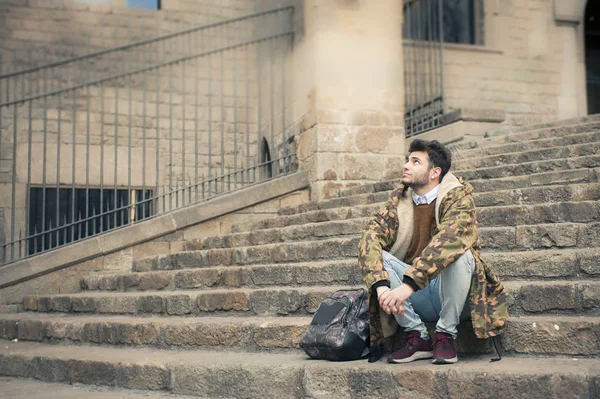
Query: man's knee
[465,262]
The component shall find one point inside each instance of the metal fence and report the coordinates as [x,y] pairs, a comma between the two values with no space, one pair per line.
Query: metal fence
[423,46]
[114,137]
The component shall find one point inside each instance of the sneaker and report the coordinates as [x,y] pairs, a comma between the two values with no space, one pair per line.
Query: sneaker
[415,348]
[443,349]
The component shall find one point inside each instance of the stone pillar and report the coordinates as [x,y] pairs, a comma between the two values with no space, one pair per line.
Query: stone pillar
[348,93]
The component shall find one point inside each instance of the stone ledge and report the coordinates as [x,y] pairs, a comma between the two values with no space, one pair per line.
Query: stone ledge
[81,251]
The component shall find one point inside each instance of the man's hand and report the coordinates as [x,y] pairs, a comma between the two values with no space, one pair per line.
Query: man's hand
[392,301]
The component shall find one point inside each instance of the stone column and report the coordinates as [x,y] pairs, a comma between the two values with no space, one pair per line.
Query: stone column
[348,93]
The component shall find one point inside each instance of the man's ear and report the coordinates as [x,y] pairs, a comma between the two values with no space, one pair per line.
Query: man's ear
[435,173]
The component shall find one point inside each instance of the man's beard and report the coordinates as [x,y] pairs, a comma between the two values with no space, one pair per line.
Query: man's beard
[417,181]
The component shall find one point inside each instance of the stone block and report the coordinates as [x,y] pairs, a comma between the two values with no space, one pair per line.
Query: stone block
[30,303]
[197,278]
[468,384]
[31,330]
[91,372]
[152,377]
[216,380]
[589,235]
[540,298]
[154,281]
[274,336]
[150,304]
[547,236]
[589,261]
[591,296]
[83,305]
[235,300]
[8,329]
[179,304]
[236,277]
[277,302]
[60,304]
[125,305]
[187,260]
[49,369]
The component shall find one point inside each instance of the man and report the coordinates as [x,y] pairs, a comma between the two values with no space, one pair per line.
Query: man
[420,261]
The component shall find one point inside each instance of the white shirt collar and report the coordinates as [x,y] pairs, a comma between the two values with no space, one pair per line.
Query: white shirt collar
[429,197]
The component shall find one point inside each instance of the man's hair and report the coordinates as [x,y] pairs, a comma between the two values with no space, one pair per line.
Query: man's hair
[439,156]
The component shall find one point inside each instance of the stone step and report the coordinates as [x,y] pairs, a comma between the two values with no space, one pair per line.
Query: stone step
[521,237]
[517,196]
[308,231]
[552,178]
[547,335]
[579,297]
[558,177]
[491,149]
[512,158]
[302,251]
[544,264]
[528,168]
[283,375]
[504,215]
[26,388]
[329,272]
[512,134]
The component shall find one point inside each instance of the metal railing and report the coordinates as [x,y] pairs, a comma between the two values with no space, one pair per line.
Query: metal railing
[100,141]
[423,50]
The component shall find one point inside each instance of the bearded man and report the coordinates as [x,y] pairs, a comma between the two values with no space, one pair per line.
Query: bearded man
[420,260]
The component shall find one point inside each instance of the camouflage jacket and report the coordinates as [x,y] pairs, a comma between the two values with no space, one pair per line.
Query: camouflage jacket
[456,232]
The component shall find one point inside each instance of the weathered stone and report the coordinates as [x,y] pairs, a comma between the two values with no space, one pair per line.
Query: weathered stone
[91,372]
[588,261]
[151,377]
[235,300]
[154,281]
[235,277]
[30,303]
[277,302]
[467,384]
[214,380]
[83,304]
[197,278]
[274,336]
[179,304]
[60,304]
[589,235]
[553,337]
[117,305]
[547,236]
[591,296]
[8,329]
[272,275]
[31,330]
[539,298]
[534,263]
[150,304]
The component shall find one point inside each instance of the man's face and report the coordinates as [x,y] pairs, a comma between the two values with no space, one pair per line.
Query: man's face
[416,170]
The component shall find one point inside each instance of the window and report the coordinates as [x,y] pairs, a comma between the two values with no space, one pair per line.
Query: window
[47,215]
[147,4]
[463,21]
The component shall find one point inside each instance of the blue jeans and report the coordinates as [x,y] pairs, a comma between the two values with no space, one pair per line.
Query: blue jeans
[444,300]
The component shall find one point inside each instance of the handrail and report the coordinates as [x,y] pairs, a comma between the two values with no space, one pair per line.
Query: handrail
[144,42]
[146,69]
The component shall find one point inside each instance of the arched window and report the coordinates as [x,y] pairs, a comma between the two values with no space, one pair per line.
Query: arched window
[266,170]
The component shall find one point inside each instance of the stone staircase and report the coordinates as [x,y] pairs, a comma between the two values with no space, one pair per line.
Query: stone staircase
[223,318]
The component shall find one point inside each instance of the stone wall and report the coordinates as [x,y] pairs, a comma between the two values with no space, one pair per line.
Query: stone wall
[528,66]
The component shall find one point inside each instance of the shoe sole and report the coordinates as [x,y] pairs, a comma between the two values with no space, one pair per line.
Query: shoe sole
[441,360]
[415,356]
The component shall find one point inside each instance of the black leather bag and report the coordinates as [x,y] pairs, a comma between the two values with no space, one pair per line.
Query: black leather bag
[339,330]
